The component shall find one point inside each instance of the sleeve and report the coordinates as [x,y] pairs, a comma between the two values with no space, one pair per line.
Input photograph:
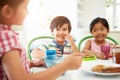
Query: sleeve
[8,41]
[67,49]
[41,45]
[47,45]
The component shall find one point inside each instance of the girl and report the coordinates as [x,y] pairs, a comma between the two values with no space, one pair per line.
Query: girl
[63,43]
[99,28]
[14,64]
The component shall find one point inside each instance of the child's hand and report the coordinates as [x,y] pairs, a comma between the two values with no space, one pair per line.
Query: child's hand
[58,52]
[37,63]
[40,63]
[100,55]
[69,38]
[73,61]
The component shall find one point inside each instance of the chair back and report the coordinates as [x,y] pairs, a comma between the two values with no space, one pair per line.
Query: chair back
[109,39]
[33,43]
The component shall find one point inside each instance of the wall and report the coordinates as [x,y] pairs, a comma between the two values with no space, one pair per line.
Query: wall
[92,9]
[115,35]
[41,13]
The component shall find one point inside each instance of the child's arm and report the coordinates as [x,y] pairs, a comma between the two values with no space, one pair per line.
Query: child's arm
[37,55]
[86,50]
[15,71]
[37,63]
[72,43]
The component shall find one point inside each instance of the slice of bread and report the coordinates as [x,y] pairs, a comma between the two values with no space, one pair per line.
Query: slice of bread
[106,69]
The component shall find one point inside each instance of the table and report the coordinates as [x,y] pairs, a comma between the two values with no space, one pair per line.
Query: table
[82,75]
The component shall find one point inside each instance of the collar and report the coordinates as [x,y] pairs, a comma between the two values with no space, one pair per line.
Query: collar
[59,44]
[4,27]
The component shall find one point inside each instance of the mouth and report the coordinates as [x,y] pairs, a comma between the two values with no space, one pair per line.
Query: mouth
[61,37]
[100,36]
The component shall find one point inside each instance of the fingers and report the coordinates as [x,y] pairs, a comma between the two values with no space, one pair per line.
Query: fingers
[73,61]
[69,37]
[58,51]
[101,56]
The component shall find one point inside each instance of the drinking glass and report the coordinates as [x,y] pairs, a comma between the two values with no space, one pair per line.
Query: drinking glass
[106,50]
[50,59]
[61,49]
[51,54]
[116,55]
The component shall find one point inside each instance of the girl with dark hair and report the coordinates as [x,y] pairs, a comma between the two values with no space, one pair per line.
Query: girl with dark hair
[99,28]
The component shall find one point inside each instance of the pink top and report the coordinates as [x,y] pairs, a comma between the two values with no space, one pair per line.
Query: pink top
[95,47]
[8,41]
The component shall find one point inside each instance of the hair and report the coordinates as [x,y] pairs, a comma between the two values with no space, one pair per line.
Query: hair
[59,21]
[99,20]
[11,3]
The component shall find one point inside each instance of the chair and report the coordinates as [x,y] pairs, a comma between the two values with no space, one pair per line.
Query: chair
[88,37]
[35,42]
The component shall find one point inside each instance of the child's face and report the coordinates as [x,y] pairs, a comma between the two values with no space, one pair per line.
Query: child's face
[60,33]
[99,32]
[17,15]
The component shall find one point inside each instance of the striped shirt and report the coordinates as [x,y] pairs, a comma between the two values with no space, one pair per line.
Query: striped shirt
[8,41]
[52,45]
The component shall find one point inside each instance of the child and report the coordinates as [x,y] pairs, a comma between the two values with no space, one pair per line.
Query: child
[14,64]
[99,28]
[63,43]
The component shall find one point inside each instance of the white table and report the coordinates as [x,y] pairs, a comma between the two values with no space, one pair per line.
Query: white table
[82,75]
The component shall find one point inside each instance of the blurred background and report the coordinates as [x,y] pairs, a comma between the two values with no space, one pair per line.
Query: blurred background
[80,13]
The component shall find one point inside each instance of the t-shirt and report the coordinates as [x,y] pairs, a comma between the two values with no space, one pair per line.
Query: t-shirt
[51,45]
[96,48]
[9,40]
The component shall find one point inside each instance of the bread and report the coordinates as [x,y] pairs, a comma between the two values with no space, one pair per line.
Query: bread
[111,70]
[105,69]
[98,68]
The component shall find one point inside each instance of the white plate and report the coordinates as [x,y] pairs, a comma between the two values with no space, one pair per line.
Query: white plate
[89,70]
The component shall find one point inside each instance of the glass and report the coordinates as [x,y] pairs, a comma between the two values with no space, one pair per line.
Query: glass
[61,47]
[51,54]
[49,63]
[50,59]
[116,55]
[106,50]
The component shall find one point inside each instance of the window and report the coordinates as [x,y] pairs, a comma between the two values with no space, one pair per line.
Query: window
[112,14]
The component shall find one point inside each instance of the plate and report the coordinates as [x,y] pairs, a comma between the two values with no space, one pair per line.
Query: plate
[89,58]
[89,70]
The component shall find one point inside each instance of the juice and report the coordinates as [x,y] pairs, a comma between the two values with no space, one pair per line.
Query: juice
[117,57]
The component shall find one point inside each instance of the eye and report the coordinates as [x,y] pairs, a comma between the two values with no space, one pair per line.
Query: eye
[94,30]
[57,29]
[65,29]
[102,29]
